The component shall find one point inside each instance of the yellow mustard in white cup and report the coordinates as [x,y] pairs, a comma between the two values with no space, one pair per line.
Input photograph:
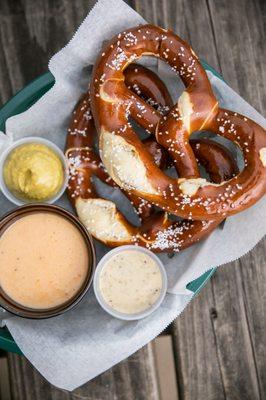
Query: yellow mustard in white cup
[130,282]
[33,170]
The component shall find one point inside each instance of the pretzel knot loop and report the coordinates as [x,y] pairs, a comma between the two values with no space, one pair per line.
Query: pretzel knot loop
[101,217]
[132,167]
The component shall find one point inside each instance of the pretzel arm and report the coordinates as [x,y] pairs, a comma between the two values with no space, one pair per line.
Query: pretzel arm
[173,135]
[147,87]
[212,158]
[84,162]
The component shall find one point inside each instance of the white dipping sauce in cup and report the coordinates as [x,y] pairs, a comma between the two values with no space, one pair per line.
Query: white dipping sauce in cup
[130,282]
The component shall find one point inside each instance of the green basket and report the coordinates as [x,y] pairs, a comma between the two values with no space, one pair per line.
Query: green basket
[21,102]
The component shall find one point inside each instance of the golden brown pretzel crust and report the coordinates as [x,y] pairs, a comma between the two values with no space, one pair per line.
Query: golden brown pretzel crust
[157,232]
[197,109]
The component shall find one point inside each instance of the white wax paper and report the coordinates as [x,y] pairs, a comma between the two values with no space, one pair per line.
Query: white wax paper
[73,348]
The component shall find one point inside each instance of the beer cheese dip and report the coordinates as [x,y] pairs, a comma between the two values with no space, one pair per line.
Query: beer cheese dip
[44,260]
[130,281]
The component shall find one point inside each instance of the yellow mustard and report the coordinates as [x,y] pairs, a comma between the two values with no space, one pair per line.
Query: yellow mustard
[33,171]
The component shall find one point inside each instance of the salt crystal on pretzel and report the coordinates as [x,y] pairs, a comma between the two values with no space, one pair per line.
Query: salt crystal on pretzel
[121,150]
[101,216]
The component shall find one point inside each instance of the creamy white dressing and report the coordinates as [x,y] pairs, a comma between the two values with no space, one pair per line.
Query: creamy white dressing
[130,282]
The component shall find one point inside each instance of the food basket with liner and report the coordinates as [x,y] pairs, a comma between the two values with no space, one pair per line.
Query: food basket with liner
[24,99]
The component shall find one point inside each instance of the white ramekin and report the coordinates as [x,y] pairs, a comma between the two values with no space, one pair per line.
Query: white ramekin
[110,310]
[32,139]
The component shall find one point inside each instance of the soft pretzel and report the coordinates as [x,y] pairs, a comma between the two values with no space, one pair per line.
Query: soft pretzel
[101,216]
[132,167]
[108,225]
[82,134]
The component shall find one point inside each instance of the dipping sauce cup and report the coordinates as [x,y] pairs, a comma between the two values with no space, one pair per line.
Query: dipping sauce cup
[47,261]
[37,166]
[130,282]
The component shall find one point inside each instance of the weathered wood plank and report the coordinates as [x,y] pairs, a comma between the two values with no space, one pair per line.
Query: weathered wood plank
[165,367]
[253,281]
[198,371]
[220,338]
[242,360]
[240,34]
[186,20]
[132,379]
[5,393]
[31,32]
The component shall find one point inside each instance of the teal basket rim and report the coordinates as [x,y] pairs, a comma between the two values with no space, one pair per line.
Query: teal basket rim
[20,102]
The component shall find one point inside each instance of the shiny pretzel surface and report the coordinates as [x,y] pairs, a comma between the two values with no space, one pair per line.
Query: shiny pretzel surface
[101,217]
[189,195]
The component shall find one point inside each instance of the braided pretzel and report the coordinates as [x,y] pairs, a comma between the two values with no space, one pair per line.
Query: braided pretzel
[100,216]
[132,167]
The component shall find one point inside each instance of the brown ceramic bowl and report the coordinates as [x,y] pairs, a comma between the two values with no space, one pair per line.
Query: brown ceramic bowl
[10,305]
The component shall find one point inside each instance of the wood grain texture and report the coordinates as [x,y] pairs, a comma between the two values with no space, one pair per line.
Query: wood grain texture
[132,379]
[242,24]
[30,33]
[219,340]
[5,393]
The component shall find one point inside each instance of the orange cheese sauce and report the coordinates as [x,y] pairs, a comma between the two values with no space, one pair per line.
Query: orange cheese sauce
[44,260]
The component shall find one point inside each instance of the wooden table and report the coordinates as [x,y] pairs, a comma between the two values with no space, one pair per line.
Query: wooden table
[218,344]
